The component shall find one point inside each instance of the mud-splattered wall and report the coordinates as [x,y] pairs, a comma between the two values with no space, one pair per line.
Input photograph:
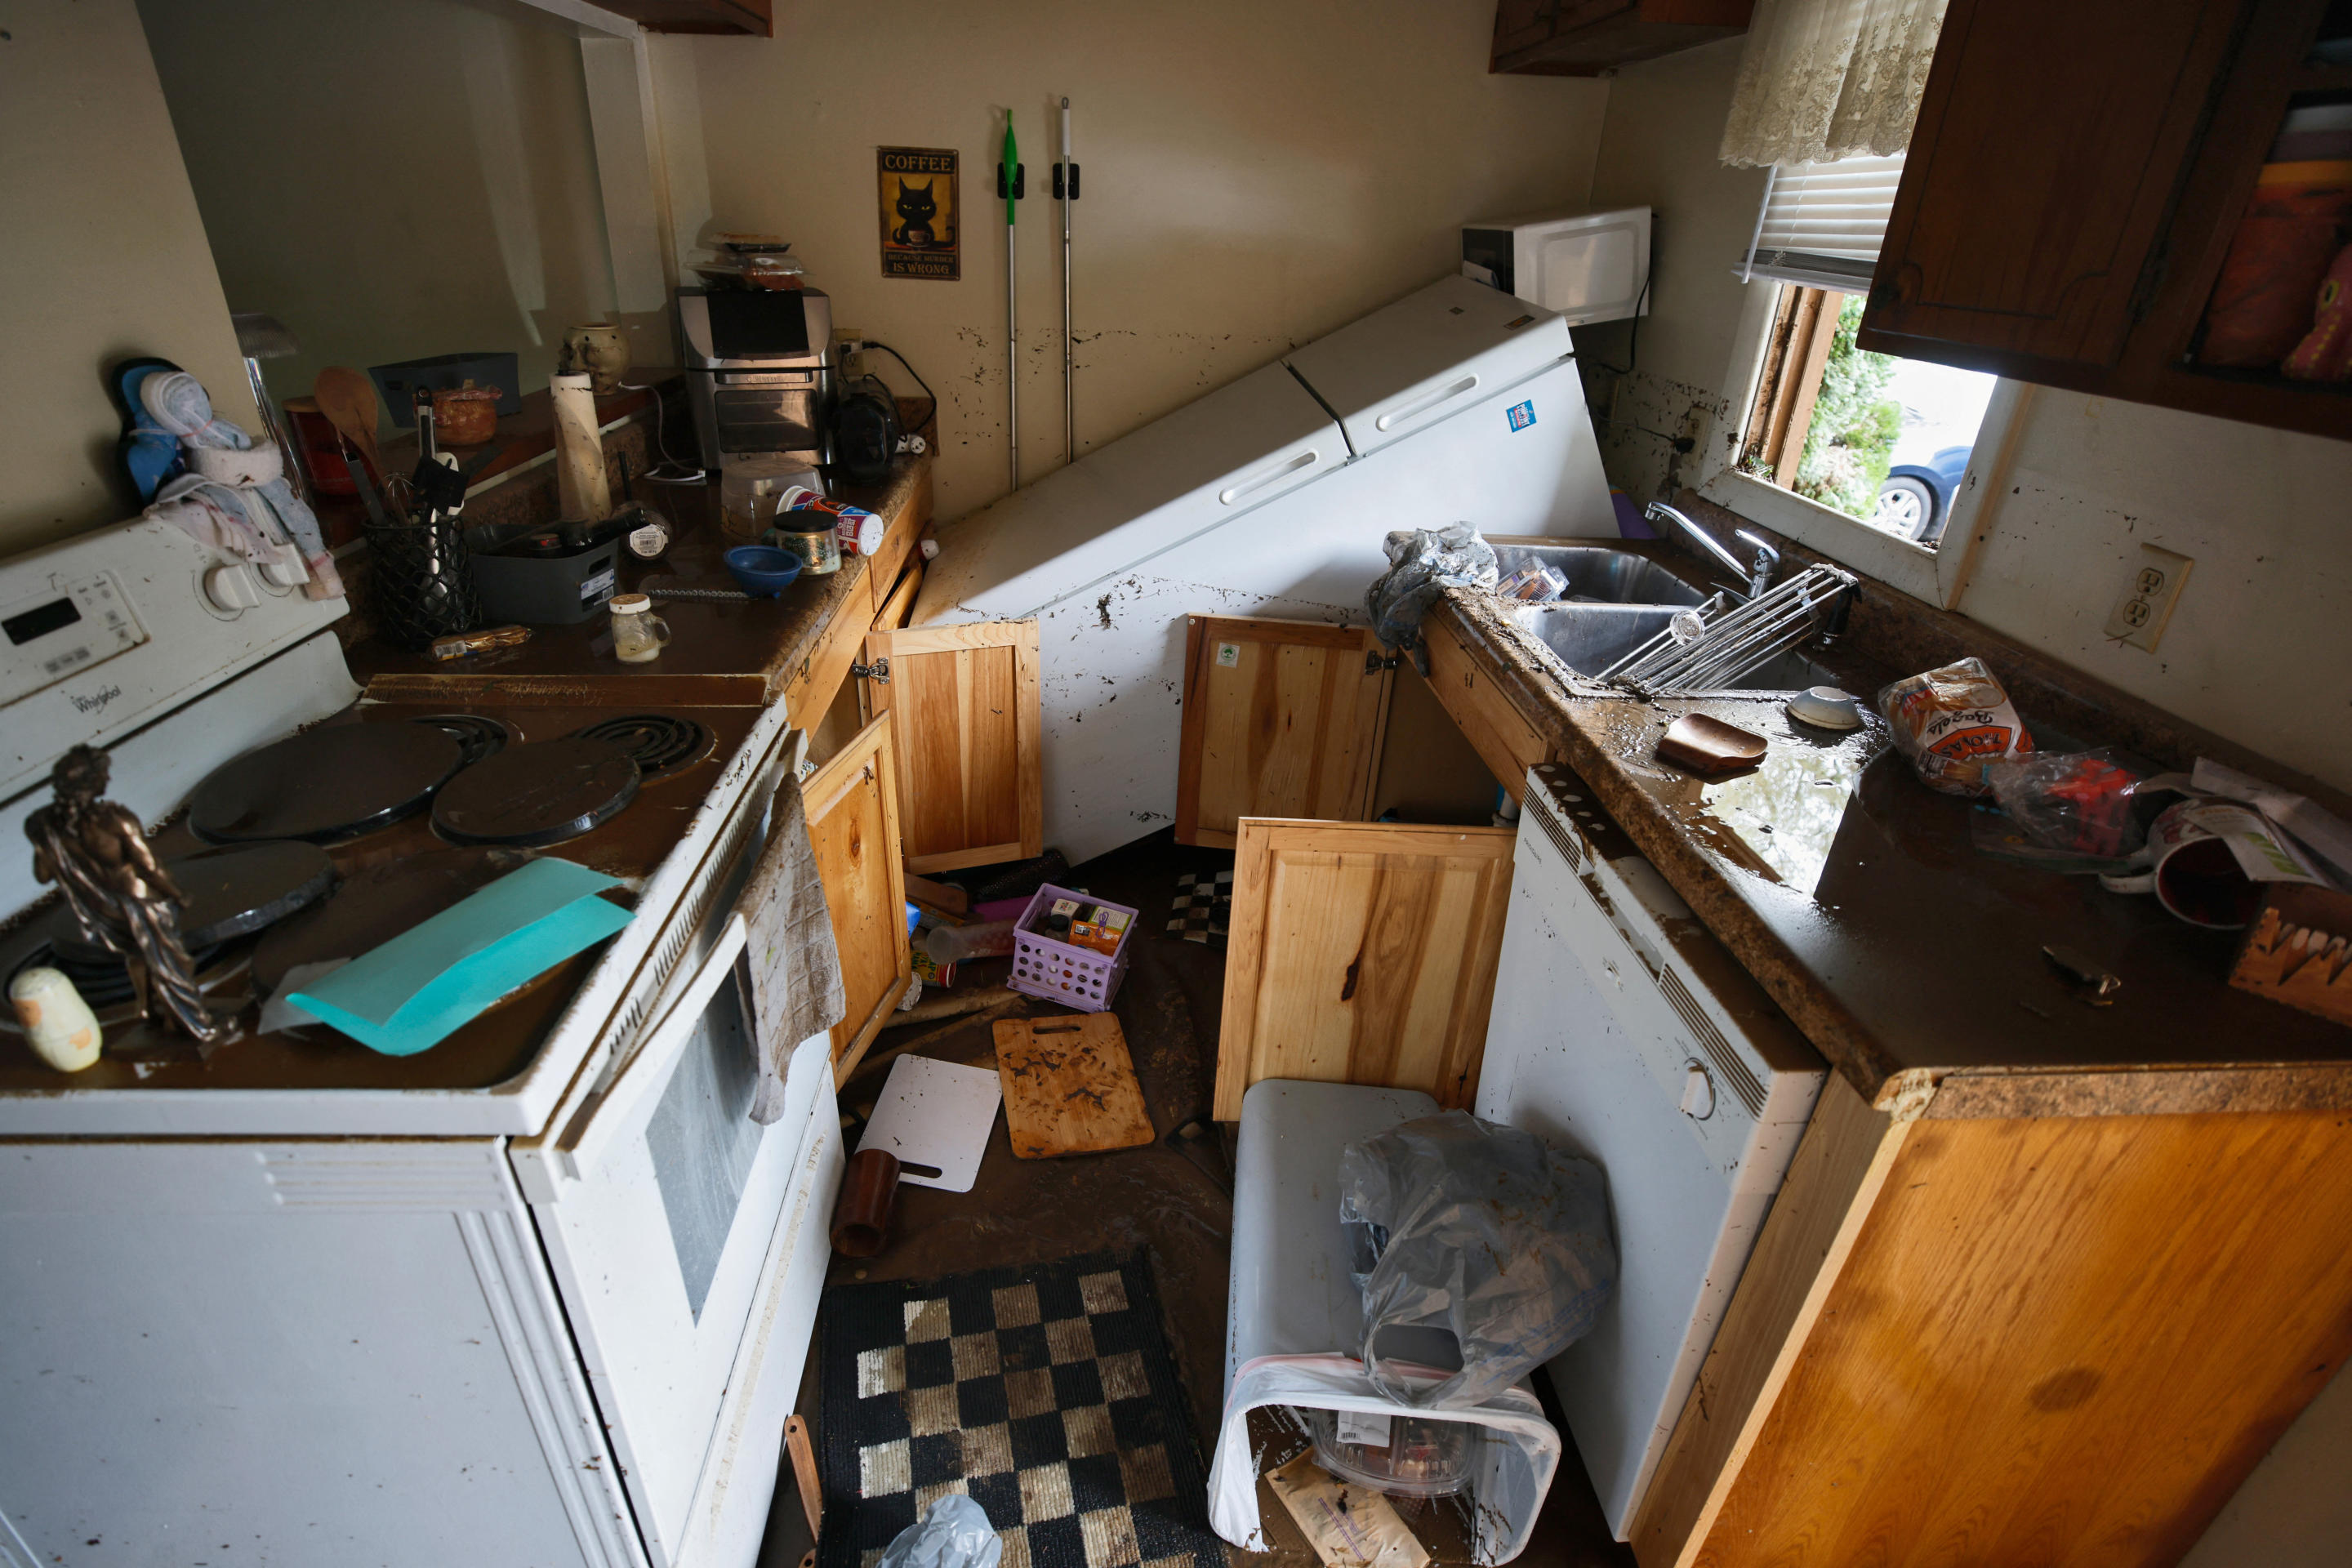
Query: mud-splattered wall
[1255,175]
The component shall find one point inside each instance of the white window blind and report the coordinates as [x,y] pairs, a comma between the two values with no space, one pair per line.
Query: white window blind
[1821,222]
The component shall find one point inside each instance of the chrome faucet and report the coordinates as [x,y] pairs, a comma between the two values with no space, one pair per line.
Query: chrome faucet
[1758,574]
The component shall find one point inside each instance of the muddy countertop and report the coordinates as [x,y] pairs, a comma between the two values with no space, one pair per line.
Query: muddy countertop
[744,651]
[1855,895]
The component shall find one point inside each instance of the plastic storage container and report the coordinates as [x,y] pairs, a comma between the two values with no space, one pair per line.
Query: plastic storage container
[1425,1456]
[1055,970]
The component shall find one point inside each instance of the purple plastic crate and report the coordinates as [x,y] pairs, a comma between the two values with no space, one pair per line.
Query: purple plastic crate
[1061,972]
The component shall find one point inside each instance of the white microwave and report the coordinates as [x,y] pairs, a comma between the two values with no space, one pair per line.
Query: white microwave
[1590,267]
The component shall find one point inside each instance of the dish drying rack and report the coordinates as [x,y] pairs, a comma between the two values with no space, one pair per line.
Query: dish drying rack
[1725,638]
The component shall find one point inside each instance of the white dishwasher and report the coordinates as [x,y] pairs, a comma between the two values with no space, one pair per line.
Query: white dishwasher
[1624,1031]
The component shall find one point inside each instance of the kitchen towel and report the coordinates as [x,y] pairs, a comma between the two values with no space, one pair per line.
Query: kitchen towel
[797,988]
[415,990]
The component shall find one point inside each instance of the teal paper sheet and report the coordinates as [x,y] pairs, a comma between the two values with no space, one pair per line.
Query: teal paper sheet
[416,989]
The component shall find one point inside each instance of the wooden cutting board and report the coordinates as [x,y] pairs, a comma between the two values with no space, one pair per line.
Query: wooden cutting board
[1069,1086]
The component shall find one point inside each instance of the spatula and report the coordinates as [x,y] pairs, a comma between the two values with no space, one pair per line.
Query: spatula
[347,399]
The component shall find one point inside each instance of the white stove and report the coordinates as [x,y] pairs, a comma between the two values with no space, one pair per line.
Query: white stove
[557,1317]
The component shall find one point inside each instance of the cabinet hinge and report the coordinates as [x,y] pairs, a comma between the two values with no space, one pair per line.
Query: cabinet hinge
[1374,663]
[878,671]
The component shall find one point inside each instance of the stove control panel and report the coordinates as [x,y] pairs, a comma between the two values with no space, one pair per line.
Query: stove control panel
[62,628]
[103,634]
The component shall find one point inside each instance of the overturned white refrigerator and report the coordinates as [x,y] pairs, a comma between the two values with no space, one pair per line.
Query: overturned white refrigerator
[1268,496]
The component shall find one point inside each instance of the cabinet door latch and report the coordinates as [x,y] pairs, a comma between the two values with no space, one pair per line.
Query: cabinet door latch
[878,671]
[1374,663]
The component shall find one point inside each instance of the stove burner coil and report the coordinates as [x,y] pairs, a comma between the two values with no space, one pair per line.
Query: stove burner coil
[477,736]
[657,742]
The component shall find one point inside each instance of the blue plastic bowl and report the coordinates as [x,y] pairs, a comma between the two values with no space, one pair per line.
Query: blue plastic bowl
[763,570]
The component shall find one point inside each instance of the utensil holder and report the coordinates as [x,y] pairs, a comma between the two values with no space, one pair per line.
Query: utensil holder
[421,584]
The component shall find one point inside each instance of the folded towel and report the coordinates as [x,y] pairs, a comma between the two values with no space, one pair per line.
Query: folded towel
[797,988]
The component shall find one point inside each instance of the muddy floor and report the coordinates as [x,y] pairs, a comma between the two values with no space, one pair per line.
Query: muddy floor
[1170,1199]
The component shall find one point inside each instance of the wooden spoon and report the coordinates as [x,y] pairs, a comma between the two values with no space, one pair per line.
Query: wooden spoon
[347,399]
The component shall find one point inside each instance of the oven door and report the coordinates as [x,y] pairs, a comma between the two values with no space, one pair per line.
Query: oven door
[688,1244]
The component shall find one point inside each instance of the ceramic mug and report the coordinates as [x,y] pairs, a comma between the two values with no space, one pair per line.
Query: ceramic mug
[2193,858]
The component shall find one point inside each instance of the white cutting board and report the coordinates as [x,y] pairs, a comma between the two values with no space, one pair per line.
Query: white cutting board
[935,1114]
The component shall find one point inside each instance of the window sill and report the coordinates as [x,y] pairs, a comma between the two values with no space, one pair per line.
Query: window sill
[1900,564]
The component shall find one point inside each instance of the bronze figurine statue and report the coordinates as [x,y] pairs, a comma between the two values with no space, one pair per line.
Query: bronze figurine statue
[120,893]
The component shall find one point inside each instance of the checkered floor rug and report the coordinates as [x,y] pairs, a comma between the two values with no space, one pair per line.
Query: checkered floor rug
[1203,908]
[1045,1394]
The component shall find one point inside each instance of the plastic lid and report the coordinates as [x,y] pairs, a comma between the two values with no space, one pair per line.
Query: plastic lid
[630,603]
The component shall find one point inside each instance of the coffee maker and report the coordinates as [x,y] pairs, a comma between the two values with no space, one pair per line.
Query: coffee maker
[758,370]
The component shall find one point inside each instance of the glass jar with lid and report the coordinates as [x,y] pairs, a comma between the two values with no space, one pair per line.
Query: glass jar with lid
[639,635]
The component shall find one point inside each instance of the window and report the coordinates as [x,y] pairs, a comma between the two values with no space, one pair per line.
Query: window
[1870,437]
[1880,439]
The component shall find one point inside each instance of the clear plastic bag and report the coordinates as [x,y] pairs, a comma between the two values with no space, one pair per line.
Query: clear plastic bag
[1422,563]
[2076,801]
[1951,721]
[954,1534]
[1482,1230]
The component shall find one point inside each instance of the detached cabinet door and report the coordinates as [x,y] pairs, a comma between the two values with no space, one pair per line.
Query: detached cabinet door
[962,702]
[1281,718]
[1362,952]
[2028,233]
[853,820]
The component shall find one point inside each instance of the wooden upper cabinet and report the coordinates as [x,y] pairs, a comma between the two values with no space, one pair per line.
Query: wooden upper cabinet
[1585,37]
[2046,153]
[2075,180]
[752,18]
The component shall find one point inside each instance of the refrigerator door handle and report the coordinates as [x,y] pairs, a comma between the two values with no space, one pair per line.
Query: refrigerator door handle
[1280,471]
[1396,417]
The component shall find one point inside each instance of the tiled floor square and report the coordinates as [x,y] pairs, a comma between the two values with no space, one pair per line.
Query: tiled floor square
[884,1468]
[1110,1535]
[1071,1339]
[975,1355]
[1045,1493]
[926,1320]
[1123,1376]
[1104,1292]
[881,1371]
[1016,1306]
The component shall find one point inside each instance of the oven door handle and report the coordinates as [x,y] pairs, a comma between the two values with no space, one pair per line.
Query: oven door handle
[627,1103]
[785,378]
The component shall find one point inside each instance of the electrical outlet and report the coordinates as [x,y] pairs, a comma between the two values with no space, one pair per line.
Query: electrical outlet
[2146,601]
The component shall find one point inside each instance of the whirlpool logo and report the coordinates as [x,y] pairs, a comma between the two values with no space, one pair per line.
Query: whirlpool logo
[93,702]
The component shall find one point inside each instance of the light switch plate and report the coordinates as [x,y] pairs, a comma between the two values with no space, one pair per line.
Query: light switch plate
[2146,601]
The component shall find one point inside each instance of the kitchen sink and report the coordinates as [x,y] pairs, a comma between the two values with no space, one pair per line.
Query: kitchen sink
[1597,572]
[1589,637]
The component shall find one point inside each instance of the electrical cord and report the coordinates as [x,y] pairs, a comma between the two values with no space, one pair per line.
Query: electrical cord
[681,474]
[894,354]
[1634,335]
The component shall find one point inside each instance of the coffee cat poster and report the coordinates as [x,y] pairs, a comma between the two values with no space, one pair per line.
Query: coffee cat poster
[921,213]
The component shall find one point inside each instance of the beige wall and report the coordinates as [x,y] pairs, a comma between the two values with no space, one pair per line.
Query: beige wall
[102,257]
[2260,648]
[1255,175]
[391,179]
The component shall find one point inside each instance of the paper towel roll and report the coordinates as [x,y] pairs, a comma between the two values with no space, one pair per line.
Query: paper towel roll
[581,489]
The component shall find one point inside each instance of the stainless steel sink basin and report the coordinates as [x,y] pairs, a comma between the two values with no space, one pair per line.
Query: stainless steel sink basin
[1589,637]
[1596,572]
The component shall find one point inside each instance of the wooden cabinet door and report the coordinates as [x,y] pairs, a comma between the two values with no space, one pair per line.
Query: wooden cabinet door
[853,820]
[2029,230]
[1281,718]
[1362,953]
[1494,728]
[962,702]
